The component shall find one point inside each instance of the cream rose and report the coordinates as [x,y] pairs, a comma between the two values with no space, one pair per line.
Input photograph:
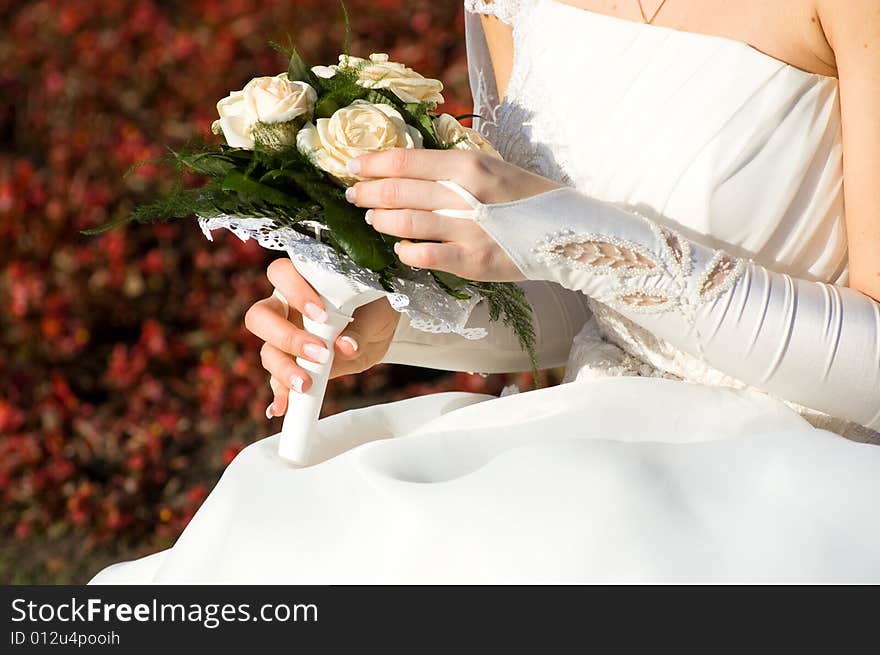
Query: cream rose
[379,73]
[451,131]
[352,131]
[268,109]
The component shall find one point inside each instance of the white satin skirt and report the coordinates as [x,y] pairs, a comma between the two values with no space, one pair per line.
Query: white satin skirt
[613,480]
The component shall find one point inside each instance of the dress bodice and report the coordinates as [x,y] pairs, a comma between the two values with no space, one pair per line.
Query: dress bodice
[705,134]
[726,144]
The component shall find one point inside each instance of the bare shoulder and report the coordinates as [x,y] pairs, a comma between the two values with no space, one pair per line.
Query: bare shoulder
[851,26]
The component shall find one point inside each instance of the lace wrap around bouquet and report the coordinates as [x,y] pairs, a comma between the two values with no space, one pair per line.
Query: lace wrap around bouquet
[281,176]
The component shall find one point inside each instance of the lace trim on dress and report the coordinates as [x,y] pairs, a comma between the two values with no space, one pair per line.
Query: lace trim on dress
[504,10]
[509,124]
[519,136]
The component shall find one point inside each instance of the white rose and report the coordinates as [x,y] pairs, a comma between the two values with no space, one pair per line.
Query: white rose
[379,73]
[270,105]
[352,131]
[451,131]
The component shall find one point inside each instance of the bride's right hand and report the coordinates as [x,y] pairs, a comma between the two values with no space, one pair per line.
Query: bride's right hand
[361,345]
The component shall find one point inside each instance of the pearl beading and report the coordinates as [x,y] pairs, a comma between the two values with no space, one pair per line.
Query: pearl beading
[644,278]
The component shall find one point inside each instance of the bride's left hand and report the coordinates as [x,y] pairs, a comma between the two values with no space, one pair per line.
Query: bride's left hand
[404,193]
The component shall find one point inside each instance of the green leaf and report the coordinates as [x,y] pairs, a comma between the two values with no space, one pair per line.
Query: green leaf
[359,241]
[306,180]
[379,98]
[386,278]
[235,180]
[416,114]
[345,221]
[297,69]
[326,106]
[451,284]
[211,164]
[340,91]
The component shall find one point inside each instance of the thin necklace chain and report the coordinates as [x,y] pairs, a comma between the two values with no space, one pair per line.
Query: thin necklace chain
[645,18]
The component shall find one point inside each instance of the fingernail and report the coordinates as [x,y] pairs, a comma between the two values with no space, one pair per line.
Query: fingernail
[270,411]
[316,352]
[396,245]
[368,217]
[350,194]
[353,166]
[315,313]
[350,341]
[296,383]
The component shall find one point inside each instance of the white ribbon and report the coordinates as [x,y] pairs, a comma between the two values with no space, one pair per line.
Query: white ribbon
[469,214]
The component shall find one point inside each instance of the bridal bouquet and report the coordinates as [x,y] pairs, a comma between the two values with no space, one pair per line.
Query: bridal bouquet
[281,176]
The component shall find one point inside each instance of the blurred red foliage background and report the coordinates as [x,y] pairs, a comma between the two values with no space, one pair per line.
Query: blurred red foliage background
[128,378]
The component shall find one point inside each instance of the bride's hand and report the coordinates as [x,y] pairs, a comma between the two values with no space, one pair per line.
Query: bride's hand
[402,201]
[361,345]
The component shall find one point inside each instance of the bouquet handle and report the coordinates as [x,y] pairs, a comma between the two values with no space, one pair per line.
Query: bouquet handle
[298,431]
[340,295]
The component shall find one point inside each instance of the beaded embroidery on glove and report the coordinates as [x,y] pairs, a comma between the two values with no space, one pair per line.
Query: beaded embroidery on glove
[719,276]
[645,282]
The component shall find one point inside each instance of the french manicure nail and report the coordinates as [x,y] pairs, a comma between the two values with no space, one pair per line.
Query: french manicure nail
[350,194]
[368,217]
[315,313]
[270,411]
[319,353]
[350,341]
[353,166]
[296,383]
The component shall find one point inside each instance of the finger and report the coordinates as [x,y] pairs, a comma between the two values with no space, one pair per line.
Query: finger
[348,345]
[284,369]
[436,256]
[293,286]
[285,306]
[418,224]
[266,323]
[397,193]
[274,304]
[417,164]
[375,321]
[279,402]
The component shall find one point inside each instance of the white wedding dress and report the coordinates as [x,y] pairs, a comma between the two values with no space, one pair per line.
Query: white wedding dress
[646,464]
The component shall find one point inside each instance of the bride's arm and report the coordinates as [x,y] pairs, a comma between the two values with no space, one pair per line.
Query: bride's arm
[811,343]
[853,31]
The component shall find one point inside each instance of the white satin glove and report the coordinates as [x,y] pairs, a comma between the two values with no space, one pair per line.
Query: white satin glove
[811,343]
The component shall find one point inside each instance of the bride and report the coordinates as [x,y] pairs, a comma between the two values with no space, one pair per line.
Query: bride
[672,201]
